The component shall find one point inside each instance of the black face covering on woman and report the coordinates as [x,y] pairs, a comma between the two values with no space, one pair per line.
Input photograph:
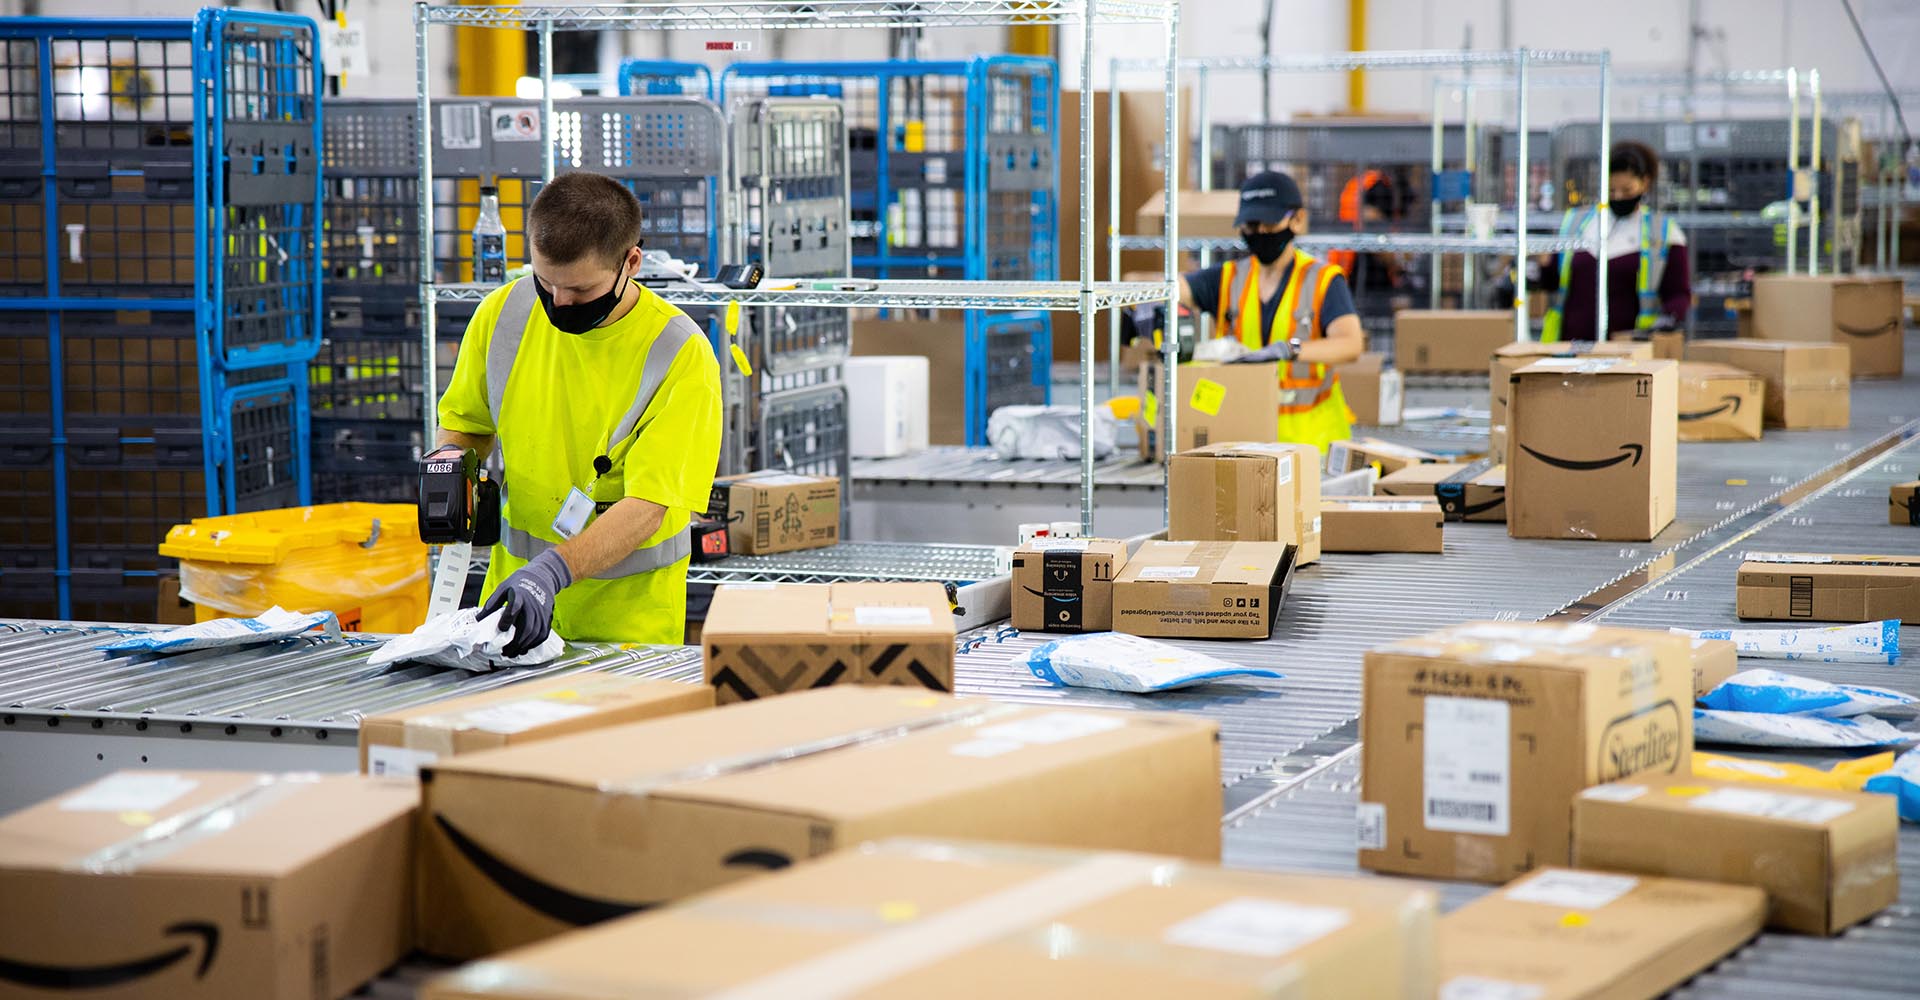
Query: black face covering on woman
[1267,247]
[1623,207]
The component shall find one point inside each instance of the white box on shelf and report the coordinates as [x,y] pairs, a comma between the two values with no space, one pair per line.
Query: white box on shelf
[887,405]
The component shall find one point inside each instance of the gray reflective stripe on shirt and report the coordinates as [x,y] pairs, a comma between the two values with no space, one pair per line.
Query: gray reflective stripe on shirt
[509,329]
[661,554]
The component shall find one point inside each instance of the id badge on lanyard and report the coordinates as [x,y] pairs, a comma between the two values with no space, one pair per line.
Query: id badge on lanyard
[578,507]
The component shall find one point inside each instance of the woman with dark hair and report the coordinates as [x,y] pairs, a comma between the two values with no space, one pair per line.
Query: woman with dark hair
[1649,282]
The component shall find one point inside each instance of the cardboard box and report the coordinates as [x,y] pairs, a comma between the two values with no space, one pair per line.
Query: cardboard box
[170,608]
[768,512]
[1202,213]
[1236,492]
[289,887]
[1476,492]
[1351,456]
[1807,384]
[1381,524]
[1448,340]
[1720,403]
[1476,738]
[1217,403]
[524,843]
[1825,858]
[1903,503]
[1066,584]
[1668,345]
[1571,935]
[1497,443]
[395,744]
[1594,449]
[956,921]
[1861,311]
[887,405]
[1828,588]
[1375,393]
[1714,661]
[943,342]
[1203,590]
[1511,357]
[1306,503]
[768,639]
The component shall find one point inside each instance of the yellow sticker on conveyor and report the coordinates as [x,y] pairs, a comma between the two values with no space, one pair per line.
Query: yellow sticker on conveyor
[1736,482]
[1207,396]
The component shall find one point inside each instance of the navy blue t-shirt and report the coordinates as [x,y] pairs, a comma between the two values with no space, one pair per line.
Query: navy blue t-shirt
[1205,284]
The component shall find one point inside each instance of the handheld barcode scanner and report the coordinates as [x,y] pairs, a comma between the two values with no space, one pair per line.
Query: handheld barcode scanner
[459,508]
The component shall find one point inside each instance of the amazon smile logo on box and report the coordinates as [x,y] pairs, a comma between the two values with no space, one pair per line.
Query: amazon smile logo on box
[201,936]
[1730,407]
[1630,453]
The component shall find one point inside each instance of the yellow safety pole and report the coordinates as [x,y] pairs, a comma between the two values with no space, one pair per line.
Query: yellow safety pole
[1357,42]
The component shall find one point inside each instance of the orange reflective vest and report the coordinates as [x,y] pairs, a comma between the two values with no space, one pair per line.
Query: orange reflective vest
[1303,386]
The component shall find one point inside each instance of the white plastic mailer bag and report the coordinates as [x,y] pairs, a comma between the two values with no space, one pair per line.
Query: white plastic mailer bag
[1758,729]
[272,625]
[1112,661]
[464,640]
[1053,432]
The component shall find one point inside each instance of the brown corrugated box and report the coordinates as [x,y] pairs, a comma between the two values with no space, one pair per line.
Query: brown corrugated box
[207,884]
[1203,590]
[1714,661]
[943,342]
[1476,738]
[1861,311]
[1202,213]
[1217,403]
[1066,584]
[1828,588]
[1720,403]
[1351,456]
[1593,450]
[1476,492]
[524,843]
[1237,492]
[1448,340]
[958,919]
[1375,393]
[1903,503]
[1570,935]
[1668,345]
[1381,524]
[1825,858]
[1306,503]
[1808,385]
[765,639]
[1511,357]
[395,744]
[773,511]
[1497,443]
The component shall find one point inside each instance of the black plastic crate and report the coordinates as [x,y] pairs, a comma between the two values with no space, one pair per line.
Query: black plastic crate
[265,455]
[26,496]
[26,372]
[365,488]
[112,585]
[366,379]
[30,592]
[133,369]
[366,447]
[124,509]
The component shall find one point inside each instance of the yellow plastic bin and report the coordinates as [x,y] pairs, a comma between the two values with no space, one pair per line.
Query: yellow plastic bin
[362,561]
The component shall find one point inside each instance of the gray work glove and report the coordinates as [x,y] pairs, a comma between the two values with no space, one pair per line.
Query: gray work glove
[528,597]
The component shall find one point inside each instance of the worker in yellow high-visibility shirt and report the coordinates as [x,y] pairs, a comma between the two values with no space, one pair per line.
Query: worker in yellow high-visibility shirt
[1281,300]
[605,403]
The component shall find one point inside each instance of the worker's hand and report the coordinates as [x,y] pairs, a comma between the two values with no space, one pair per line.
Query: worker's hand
[528,597]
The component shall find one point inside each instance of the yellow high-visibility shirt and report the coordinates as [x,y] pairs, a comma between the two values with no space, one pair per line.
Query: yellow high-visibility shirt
[565,396]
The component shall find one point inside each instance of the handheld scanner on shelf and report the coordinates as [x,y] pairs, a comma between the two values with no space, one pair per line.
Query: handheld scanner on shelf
[459,501]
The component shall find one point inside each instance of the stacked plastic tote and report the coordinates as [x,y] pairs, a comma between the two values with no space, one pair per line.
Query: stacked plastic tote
[152,357]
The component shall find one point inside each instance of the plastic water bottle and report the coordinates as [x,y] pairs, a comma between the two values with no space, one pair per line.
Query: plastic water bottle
[489,240]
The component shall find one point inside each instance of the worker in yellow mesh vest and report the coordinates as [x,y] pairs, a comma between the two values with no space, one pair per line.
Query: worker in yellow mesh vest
[604,401]
[1282,301]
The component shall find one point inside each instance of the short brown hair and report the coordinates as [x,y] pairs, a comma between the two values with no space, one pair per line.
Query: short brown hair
[581,214]
[1636,158]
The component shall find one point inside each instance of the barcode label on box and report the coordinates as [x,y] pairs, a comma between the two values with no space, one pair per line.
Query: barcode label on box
[1614,793]
[1466,769]
[1370,826]
[1263,927]
[1169,572]
[1476,988]
[1772,805]
[869,615]
[460,126]
[397,762]
[1573,890]
[520,716]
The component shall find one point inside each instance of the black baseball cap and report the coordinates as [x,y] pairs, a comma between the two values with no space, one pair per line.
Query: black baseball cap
[1267,197]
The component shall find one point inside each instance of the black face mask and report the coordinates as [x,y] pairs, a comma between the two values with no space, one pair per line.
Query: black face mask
[1267,247]
[1623,207]
[581,317]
